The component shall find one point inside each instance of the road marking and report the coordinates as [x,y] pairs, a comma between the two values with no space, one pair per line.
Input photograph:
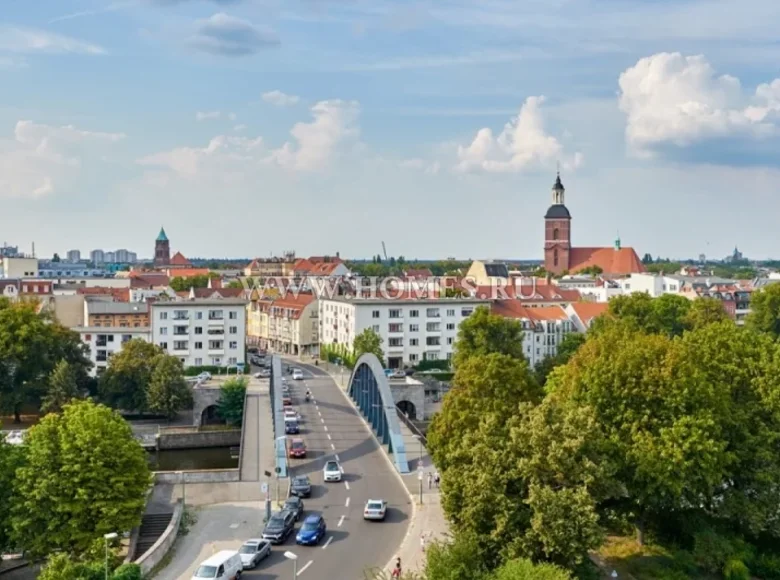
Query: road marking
[341,521]
[318,412]
[326,428]
[347,484]
[347,504]
[337,457]
[234,526]
[305,566]
[329,437]
[322,420]
[341,469]
[332,446]
[330,539]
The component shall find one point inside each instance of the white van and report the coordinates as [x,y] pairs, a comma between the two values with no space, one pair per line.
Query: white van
[224,565]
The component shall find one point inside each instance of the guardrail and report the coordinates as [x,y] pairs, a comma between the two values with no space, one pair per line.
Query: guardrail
[412,427]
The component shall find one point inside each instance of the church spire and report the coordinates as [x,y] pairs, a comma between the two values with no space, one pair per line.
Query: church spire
[558,190]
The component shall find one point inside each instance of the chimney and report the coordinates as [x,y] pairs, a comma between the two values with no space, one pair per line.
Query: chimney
[192,293]
[209,283]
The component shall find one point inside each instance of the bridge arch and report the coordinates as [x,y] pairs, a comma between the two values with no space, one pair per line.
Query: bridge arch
[369,388]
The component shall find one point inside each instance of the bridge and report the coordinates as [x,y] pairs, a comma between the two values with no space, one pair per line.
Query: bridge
[370,389]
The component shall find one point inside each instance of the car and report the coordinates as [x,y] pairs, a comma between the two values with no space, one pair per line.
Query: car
[300,486]
[253,552]
[297,449]
[312,531]
[287,402]
[15,437]
[332,471]
[291,427]
[204,376]
[279,527]
[297,375]
[397,374]
[290,413]
[263,374]
[375,509]
[295,505]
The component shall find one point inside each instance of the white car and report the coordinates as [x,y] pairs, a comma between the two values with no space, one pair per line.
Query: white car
[15,437]
[332,471]
[204,376]
[292,414]
[253,552]
[375,509]
[297,375]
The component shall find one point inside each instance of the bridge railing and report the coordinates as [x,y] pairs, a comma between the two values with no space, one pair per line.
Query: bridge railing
[410,424]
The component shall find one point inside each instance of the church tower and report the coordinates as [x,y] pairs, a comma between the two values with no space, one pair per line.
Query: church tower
[557,232]
[162,250]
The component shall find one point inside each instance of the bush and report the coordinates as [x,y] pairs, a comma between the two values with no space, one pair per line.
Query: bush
[127,572]
[736,570]
[195,371]
[767,566]
[711,550]
[425,365]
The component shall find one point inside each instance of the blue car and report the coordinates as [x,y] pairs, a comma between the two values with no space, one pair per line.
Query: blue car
[312,531]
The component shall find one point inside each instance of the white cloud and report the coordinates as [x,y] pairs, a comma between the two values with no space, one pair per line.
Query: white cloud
[669,98]
[280,99]
[239,128]
[39,157]
[16,39]
[523,144]
[429,167]
[208,115]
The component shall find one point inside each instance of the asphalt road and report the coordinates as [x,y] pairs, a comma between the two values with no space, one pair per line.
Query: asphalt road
[331,429]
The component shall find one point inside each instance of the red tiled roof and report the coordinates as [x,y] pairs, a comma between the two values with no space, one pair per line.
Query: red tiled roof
[418,273]
[613,261]
[118,294]
[587,311]
[295,304]
[178,259]
[149,280]
[514,309]
[188,272]
[213,292]
[320,259]
[530,293]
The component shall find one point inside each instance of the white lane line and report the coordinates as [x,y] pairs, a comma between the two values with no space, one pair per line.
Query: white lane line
[330,539]
[337,457]
[341,521]
[347,504]
[332,446]
[322,420]
[347,484]
[329,438]
[326,428]
[341,469]
[318,412]
[305,566]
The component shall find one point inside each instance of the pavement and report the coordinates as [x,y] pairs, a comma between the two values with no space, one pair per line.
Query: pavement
[331,429]
[257,445]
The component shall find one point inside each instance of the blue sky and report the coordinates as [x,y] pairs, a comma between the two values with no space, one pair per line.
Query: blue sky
[249,127]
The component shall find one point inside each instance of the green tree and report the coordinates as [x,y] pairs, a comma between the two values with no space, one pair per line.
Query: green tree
[485,333]
[454,560]
[11,458]
[368,341]
[126,380]
[567,348]
[704,311]
[182,284]
[230,407]
[84,476]
[765,310]
[524,569]
[666,314]
[63,387]
[56,258]
[168,392]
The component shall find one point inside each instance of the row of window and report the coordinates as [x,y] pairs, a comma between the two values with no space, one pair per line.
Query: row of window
[429,341]
[429,312]
[429,327]
[213,345]
[185,315]
[184,330]
[432,355]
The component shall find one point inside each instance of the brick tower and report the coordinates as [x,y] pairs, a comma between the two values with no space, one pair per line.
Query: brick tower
[162,250]
[557,232]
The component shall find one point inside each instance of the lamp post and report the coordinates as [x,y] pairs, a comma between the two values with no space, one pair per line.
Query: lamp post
[183,489]
[108,538]
[420,467]
[294,558]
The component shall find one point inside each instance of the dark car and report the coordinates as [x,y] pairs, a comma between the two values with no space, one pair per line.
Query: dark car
[300,486]
[291,427]
[312,531]
[279,527]
[295,505]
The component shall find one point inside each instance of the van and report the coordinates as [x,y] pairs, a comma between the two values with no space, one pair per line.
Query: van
[224,565]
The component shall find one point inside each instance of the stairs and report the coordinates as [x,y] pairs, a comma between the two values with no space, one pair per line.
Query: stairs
[152,527]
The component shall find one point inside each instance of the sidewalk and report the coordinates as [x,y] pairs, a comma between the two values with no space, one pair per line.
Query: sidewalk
[427,522]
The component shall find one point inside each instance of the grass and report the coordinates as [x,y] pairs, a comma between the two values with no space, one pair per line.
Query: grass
[647,562]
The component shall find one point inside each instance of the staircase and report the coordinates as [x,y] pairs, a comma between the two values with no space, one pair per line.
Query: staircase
[152,527]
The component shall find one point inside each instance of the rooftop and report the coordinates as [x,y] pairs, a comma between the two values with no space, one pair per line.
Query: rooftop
[112,329]
[107,307]
[189,302]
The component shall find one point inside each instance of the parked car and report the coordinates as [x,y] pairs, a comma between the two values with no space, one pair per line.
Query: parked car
[297,449]
[332,471]
[290,413]
[224,565]
[279,527]
[300,486]
[263,374]
[297,375]
[253,552]
[375,509]
[312,531]
[287,402]
[204,376]
[295,505]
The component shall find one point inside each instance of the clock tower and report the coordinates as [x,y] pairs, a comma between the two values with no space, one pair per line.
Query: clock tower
[557,232]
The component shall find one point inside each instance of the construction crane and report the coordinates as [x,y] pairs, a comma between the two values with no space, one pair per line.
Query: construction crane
[384,251]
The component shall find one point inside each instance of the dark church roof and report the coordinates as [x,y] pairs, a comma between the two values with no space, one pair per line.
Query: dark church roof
[557,211]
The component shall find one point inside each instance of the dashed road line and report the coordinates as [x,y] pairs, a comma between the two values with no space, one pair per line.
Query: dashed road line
[305,566]
[329,437]
[337,457]
[341,521]
[322,420]
[326,428]
[347,504]
[330,539]
[332,446]
[346,483]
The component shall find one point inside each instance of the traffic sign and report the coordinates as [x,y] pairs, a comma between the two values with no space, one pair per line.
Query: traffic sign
[264,487]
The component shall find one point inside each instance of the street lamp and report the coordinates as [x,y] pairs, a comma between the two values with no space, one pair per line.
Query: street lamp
[420,467]
[294,558]
[183,489]
[108,538]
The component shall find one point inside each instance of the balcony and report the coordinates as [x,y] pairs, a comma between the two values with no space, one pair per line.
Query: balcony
[395,347]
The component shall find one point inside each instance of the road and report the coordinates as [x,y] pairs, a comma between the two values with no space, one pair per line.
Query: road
[331,429]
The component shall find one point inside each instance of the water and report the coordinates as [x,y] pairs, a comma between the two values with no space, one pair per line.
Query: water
[192,459]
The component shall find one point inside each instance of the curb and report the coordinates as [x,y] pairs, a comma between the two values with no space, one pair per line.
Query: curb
[386,455]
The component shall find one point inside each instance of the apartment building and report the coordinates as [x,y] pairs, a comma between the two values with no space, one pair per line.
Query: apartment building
[19,267]
[103,343]
[201,331]
[288,325]
[412,330]
[102,312]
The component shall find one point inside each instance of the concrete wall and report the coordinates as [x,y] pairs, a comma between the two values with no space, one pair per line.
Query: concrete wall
[199,476]
[181,439]
[203,396]
[415,394]
[157,552]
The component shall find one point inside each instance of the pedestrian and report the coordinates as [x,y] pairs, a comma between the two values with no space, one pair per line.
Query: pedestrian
[430,480]
[422,542]
[437,479]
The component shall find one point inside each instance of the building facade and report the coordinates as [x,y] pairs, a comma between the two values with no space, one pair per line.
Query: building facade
[19,267]
[288,325]
[73,256]
[103,343]
[162,250]
[201,332]
[106,313]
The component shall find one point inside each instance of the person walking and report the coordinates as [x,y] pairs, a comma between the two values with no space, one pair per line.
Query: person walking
[430,480]
[397,569]
[422,542]
[437,479]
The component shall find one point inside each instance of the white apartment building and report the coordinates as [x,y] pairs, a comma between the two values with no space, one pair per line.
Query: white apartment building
[412,330]
[653,284]
[104,342]
[19,267]
[201,331]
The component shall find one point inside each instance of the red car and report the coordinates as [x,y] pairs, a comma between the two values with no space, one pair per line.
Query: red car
[287,402]
[298,449]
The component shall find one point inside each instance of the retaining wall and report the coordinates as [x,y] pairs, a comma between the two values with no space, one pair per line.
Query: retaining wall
[194,439]
[159,549]
[199,476]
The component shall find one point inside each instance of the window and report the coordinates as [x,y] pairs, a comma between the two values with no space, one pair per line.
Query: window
[216,345]
[414,328]
[414,313]
[126,338]
[198,330]
[413,342]
[233,315]
[232,360]
[198,346]
[396,342]
[433,341]
[181,330]
[180,345]
[375,314]
[163,315]
[233,344]
[164,330]
[375,328]
[216,331]
[394,313]
[466,311]
[412,357]
[433,327]
[198,362]
[123,325]
[555,234]
[395,327]
[555,258]
[449,356]
[181,315]
[233,330]
[216,361]
[216,315]
[450,326]
[198,316]
[432,356]
[450,340]
[101,356]
[101,340]
[432,313]
[164,345]
[451,312]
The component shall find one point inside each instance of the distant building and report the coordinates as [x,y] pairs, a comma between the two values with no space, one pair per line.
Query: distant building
[69,270]
[104,342]
[162,250]
[9,251]
[105,313]
[288,325]
[266,267]
[19,267]
[73,256]
[97,257]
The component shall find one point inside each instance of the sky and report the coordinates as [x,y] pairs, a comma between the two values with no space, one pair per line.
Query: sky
[252,127]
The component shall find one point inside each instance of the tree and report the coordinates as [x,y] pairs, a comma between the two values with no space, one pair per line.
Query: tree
[124,384]
[230,407]
[84,476]
[704,311]
[524,569]
[11,458]
[765,311]
[663,315]
[567,348]
[168,392]
[63,387]
[647,259]
[454,560]
[182,284]
[56,258]
[485,333]
[368,341]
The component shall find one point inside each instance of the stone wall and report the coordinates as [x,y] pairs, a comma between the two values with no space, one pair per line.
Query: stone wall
[191,438]
[199,476]
[157,552]
[203,396]
[415,394]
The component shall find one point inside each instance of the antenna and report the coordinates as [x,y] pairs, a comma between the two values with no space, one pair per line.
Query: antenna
[558,167]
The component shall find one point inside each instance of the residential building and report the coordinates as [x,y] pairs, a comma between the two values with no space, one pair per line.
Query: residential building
[106,313]
[97,257]
[201,332]
[268,267]
[26,288]
[653,284]
[73,285]
[321,266]
[529,292]
[73,256]
[582,314]
[488,273]
[109,257]
[104,342]
[561,257]
[288,324]
[19,267]
[411,329]
[124,256]
[69,270]
[7,251]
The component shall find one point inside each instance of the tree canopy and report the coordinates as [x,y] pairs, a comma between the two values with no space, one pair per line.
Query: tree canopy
[230,407]
[182,284]
[484,333]
[168,392]
[765,311]
[63,387]
[368,341]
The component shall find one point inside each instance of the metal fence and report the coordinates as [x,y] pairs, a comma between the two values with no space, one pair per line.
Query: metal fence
[412,427]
